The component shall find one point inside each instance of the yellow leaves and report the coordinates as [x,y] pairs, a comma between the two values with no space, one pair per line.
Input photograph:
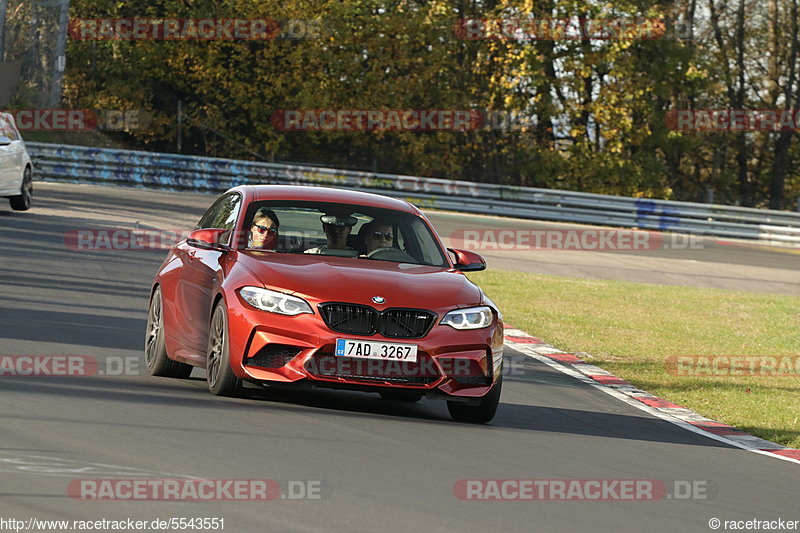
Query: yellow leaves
[694,73]
[615,147]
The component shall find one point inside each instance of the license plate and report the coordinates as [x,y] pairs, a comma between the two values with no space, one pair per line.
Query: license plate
[388,351]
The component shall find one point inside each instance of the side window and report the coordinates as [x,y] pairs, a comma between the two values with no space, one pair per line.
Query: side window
[14,136]
[8,128]
[421,244]
[222,214]
[5,129]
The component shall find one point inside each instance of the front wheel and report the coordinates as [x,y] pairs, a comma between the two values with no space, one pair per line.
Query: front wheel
[155,349]
[477,414]
[22,201]
[219,374]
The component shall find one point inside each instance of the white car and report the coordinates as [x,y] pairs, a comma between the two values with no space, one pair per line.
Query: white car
[16,170]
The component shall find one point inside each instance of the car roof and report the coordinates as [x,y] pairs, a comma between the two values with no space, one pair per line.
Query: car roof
[260,193]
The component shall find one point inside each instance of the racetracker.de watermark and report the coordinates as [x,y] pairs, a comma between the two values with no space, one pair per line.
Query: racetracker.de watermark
[122,239]
[377,119]
[45,366]
[140,239]
[597,240]
[78,119]
[196,490]
[419,120]
[641,490]
[753,524]
[203,29]
[559,29]
[732,120]
[174,523]
[720,366]
[393,368]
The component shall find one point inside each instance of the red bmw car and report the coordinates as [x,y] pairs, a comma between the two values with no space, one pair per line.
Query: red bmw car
[328,288]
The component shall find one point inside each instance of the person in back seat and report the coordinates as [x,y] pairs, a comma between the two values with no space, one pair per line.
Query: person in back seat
[337,227]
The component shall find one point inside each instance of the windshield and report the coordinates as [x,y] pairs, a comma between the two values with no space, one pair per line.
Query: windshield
[342,230]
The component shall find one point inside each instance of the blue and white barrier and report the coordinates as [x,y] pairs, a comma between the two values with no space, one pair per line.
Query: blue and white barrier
[172,171]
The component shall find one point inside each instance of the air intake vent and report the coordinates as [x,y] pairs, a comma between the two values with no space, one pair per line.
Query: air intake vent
[273,356]
[405,323]
[364,320]
[350,318]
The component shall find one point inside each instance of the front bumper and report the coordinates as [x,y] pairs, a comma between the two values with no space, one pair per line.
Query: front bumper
[271,348]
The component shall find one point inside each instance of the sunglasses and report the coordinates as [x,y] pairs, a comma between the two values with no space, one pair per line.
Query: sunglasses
[263,229]
[386,235]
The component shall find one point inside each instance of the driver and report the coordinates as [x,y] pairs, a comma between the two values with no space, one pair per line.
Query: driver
[378,234]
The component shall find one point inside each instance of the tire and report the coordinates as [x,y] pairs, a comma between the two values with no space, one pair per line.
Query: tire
[22,201]
[219,375]
[402,396]
[477,414]
[155,349]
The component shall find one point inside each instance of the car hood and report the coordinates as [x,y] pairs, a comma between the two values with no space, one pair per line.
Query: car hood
[336,279]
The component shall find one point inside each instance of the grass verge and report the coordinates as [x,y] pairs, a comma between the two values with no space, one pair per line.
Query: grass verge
[631,329]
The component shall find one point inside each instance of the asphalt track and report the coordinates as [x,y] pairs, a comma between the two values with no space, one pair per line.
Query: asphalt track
[668,259]
[382,465]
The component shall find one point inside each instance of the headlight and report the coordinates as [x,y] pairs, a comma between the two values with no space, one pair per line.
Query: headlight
[472,318]
[274,302]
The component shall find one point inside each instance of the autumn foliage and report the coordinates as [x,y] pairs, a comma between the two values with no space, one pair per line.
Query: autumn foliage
[560,108]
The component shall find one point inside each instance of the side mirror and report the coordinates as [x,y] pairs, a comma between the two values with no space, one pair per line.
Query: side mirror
[467,261]
[207,239]
[4,141]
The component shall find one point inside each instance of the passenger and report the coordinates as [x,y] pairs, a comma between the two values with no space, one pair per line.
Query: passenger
[264,230]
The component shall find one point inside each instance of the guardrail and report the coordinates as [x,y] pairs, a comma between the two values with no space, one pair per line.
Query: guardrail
[172,171]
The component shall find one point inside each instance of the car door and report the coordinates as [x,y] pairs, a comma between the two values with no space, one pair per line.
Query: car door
[200,274]
[18,154]
[7,174]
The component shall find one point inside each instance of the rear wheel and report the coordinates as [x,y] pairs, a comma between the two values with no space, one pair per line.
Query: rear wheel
[219,374]
[477,414]
[401,396]
[22,201]
[155,349]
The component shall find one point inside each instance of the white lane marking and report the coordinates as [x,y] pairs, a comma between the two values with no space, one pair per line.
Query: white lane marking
[22,463]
